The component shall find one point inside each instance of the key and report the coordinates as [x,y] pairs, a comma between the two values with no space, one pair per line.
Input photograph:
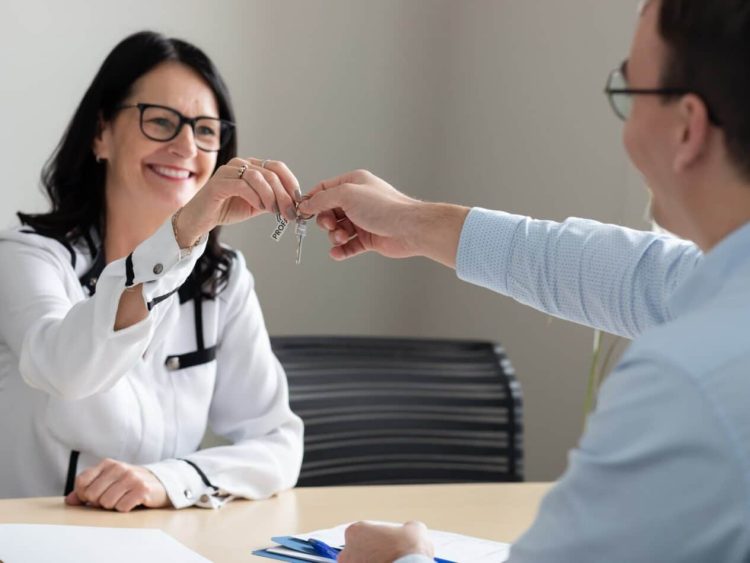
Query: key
[300,229]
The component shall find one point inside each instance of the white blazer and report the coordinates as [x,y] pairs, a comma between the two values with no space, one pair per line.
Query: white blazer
[74,391]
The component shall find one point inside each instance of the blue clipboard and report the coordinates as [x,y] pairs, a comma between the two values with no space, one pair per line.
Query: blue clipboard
[304,552]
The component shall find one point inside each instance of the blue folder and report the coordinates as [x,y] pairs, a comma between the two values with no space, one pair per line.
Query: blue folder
[302,547]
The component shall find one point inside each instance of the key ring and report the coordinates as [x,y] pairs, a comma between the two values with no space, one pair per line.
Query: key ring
[296,207]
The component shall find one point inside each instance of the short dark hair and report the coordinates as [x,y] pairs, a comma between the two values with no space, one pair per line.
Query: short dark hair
[74,181]
[708,45]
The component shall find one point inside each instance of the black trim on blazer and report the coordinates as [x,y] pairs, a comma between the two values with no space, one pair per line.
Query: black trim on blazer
[200,472]
[191,359]
[202,355]
[89,279]
[70,480]
[64,242]
[156,300]
[129,272]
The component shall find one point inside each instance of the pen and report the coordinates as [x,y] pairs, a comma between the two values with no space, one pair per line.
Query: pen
[323,549]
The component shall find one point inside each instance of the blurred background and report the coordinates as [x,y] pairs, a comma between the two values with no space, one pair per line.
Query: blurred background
[491,103]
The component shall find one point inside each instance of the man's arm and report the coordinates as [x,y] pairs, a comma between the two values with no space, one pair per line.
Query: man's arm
[603,276]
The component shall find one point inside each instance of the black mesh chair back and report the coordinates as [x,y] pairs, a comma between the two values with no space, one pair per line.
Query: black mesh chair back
[398,411]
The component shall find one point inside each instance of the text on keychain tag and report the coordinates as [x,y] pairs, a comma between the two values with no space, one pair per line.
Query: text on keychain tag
[281,225]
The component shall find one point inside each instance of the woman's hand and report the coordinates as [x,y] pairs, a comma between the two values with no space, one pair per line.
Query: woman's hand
[114,485]
[231,196]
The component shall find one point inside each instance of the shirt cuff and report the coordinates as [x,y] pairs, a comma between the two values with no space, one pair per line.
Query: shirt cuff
[485,247]
[184,486]
[414,558]
[158,265]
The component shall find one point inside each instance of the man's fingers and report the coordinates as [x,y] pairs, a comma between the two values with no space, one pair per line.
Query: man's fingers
[326,220]
[342,233]
[327,200]
[353,177]
[349,250]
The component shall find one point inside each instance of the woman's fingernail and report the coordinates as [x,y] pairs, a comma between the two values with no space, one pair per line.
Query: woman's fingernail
[291,212]
[297,194]
[276,208]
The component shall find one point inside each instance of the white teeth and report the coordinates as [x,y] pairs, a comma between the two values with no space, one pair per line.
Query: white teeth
[172,173]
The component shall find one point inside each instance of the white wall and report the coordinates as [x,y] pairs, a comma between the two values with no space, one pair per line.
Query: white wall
[492,103]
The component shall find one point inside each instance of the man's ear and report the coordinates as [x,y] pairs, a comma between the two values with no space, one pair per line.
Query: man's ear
[693,130]
[101,144]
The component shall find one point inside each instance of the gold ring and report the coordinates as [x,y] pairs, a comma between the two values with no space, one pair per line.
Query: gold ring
[242,171]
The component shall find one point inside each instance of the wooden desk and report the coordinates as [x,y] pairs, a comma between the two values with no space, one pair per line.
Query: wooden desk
[495,511]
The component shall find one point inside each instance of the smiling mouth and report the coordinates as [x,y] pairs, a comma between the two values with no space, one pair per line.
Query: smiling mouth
[171,173]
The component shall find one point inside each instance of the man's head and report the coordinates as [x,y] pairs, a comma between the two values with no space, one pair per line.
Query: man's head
[703,137]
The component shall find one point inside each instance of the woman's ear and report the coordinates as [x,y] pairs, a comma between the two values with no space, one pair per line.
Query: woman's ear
[693,132]
[102,139]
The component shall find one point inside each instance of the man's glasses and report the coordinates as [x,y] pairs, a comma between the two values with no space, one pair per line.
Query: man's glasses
[162,123]
[621,96]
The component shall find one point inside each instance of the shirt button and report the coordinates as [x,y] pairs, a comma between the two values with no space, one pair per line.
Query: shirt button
[188,494]
[158,269]
[173,363]
[93,281]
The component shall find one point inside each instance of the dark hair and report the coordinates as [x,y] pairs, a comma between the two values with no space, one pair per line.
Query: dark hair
[709,53]
[74,181]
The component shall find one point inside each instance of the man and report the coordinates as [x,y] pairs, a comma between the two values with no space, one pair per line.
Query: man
[662,472]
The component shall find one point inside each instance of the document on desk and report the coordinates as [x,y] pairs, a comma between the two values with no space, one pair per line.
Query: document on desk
[42,543]
[448,546]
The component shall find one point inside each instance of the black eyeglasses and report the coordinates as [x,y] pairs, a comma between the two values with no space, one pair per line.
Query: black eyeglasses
[621,96]
[162,123]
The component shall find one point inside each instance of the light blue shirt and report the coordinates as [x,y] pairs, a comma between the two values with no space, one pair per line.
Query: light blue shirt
[662,473]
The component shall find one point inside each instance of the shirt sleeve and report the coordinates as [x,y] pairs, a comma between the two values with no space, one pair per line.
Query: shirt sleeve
[655,478]
[63,340]
[250,408]
[608,277]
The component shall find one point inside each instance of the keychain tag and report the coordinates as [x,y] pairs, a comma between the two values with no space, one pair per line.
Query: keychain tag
[281,225]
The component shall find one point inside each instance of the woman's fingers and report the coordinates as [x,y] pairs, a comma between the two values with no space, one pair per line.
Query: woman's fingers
[130,500]
[281,170]
[92,483]
[276,186]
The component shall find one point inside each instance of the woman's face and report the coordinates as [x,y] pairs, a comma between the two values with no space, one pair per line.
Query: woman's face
[152,178]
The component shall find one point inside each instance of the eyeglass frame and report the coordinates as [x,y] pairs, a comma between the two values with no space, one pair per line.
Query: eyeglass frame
[223,140]
[622,70]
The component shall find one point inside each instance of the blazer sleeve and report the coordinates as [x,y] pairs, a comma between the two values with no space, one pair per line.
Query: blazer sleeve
[66,344]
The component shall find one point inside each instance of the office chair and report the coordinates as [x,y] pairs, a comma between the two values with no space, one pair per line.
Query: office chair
[398,411]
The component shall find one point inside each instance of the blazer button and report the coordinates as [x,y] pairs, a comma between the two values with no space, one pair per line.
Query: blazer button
[173,363]
[158,269]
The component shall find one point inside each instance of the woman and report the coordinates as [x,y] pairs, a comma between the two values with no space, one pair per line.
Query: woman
[127,328]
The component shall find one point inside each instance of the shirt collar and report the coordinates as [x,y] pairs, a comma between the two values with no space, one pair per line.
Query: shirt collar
[720,264]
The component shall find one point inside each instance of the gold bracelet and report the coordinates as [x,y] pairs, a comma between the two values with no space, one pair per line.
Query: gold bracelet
[174,230]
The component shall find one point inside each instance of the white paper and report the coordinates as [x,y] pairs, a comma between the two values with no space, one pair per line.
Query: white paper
[42,543]
[450,546]
[298,554]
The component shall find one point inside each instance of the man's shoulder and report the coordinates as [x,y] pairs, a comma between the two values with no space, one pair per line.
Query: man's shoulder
[702,342]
